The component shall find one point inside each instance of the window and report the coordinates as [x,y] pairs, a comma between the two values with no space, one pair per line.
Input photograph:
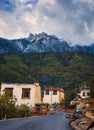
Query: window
[47,92]
[54,92]
[88,94]
[26,93]
[9,92]
[83,94]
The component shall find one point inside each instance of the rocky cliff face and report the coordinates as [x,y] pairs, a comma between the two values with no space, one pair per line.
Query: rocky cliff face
[39,43]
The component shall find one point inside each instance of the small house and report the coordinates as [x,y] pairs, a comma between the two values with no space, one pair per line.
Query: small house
[28,94]
[53,95]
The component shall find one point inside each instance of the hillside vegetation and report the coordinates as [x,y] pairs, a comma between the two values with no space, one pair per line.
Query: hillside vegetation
[67,70]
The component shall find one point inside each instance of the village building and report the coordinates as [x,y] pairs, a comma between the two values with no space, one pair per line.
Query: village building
[84,92]
[53,95]
[28,94]
[81,101]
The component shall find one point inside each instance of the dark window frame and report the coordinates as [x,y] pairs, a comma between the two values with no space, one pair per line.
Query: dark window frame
[88,94]
[9,92]
[47,92]
[26,93]
[83,94]
[54,92]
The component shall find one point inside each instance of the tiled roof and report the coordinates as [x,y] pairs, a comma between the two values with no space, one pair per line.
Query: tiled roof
[54,89]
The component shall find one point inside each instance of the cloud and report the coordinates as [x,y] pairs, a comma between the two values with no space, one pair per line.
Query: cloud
[68,19]
[80,15]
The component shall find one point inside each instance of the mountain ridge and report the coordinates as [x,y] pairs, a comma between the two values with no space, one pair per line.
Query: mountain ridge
[40,43]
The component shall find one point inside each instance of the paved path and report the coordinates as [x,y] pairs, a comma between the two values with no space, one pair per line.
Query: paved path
[52,122]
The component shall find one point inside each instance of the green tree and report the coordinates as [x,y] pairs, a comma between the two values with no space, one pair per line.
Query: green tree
[7,107]
[23,111]
[92,87]
[69,96]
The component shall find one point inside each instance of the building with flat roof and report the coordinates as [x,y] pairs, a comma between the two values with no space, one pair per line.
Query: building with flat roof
[84,92]
[53,95]
[28,94]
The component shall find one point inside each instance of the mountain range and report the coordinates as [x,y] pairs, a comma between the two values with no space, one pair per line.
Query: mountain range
[40,43]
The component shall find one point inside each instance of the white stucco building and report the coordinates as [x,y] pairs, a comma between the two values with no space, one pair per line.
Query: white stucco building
[81,101]
[84,92]
[28,94]
[53,95]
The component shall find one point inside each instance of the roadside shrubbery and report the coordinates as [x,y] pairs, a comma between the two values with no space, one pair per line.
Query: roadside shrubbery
[23,111]
[8,109]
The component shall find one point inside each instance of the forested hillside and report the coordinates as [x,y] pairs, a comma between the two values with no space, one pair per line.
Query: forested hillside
[67,70]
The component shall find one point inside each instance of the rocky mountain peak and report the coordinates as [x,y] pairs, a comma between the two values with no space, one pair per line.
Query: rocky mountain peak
[41,42]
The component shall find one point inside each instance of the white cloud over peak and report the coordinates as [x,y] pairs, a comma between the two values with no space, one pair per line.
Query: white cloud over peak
[71,20]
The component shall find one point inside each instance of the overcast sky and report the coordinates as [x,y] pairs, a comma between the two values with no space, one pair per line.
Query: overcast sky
[71,20]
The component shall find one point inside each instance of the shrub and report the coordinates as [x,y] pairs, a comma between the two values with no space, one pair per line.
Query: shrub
[10,110]
[23,111]
[7,107]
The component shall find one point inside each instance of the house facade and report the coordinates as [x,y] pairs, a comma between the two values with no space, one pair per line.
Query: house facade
[82,99]
[28,94]
[53,95]
[84,92]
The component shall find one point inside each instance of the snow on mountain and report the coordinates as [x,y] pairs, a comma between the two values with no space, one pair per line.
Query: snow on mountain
[19,44]
[41,42]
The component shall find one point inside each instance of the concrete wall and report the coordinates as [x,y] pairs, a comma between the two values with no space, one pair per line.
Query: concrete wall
[53,98]
[61,96]
[37,93]
[17,93]
[86,92]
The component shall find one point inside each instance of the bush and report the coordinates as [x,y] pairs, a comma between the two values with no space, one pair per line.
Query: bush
[7,107]
[23,111]
[10,110]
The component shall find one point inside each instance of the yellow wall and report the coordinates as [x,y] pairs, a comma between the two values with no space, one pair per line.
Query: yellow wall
[37,93]
[61,96]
